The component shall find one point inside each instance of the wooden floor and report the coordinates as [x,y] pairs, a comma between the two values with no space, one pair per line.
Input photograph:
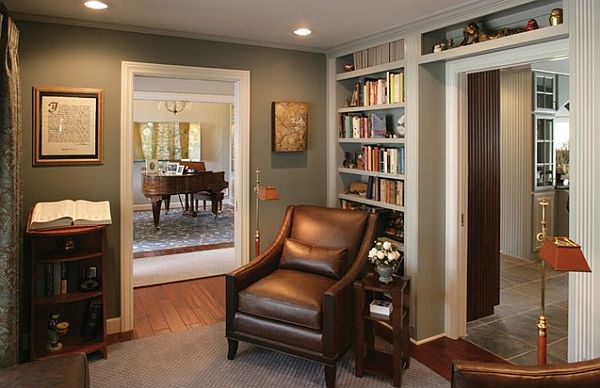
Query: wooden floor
[174,307]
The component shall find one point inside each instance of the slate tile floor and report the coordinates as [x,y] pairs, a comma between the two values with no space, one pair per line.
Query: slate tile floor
[511,331]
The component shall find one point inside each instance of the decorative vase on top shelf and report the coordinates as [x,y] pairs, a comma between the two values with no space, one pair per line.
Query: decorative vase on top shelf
[384,257]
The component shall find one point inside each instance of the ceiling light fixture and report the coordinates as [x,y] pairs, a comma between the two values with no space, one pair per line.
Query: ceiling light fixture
[94,4]
[303,31]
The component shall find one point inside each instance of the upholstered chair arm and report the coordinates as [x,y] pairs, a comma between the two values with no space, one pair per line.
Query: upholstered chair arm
[467,374]
[266,262]
[338,300]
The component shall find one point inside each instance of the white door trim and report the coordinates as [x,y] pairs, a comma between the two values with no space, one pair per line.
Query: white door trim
[241,81]
[456,166]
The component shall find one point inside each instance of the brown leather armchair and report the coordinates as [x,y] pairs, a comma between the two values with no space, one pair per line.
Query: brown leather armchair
[468,374]
[297,296]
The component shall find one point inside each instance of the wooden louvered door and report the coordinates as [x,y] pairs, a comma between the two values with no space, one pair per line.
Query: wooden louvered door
[483,253]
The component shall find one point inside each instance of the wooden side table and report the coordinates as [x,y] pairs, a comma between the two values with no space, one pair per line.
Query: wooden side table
[366,357]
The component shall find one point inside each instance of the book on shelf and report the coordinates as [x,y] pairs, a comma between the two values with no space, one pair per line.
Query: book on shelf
[381,307]
[50,215]
[55,279]
[378,55]
[357,126]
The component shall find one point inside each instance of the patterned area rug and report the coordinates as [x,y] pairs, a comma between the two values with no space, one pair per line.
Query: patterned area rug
[197,358]
[177,230]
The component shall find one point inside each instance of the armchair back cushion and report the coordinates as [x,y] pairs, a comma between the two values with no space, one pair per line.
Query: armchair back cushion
[300,256]
[327,227]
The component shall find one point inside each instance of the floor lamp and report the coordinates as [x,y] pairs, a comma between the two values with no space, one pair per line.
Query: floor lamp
[263,193]
[561,254]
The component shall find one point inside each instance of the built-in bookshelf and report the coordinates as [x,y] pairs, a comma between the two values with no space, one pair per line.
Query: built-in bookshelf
[68,313]
[370,98]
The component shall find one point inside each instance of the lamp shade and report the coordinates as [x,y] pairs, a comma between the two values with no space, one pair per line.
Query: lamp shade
[267,193]
[563,254]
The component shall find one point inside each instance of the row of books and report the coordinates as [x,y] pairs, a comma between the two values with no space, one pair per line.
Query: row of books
[385,190]
[380,91]
[58,278]
[388,160]
[378,55]
[358,126]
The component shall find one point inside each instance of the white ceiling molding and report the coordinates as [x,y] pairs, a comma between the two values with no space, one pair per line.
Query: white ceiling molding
[188,97]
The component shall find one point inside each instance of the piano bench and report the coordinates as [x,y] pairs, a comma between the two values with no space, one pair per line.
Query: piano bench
[206,196]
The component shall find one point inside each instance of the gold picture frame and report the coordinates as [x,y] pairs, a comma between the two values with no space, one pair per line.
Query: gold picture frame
[290,126]
[67,126]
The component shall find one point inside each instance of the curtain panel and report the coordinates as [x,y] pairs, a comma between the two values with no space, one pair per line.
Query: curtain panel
[10,190]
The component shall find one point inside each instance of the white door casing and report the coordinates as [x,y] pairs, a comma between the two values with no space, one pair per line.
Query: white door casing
[241,82]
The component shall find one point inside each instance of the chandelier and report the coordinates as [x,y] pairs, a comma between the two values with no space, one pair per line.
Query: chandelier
[174,106]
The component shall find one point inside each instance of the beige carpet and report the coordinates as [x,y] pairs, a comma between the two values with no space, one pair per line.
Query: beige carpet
[182,266]
[197,358]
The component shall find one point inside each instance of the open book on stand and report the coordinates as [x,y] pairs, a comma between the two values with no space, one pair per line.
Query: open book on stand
[51,215]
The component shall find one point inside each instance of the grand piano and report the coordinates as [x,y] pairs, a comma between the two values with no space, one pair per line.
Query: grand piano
[160,187]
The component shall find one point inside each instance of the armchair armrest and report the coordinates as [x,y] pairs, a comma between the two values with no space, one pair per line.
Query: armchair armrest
[266,262]
[466,374]
[260,267]
[338,302]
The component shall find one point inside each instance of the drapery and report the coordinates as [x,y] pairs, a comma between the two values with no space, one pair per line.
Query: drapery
[167,140]
[10,189]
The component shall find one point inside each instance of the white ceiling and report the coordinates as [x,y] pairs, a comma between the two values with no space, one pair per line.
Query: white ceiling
[263,22]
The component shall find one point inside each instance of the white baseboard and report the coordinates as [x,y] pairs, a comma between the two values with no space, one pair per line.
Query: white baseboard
[113,325]
[429,339]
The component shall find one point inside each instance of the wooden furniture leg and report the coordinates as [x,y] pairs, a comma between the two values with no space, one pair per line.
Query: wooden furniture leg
[156,204]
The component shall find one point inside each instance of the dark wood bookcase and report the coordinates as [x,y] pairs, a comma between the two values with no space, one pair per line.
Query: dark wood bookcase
[74,250]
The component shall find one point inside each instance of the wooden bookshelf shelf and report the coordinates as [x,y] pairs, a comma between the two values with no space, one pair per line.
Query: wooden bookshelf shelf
[67,298]
[370,70]
[352,109]
[84,254]
[378,174]
[374,140]
[359,199]
[71,344]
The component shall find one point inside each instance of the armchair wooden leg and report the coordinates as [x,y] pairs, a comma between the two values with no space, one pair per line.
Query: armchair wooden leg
[330,372]
[233,346]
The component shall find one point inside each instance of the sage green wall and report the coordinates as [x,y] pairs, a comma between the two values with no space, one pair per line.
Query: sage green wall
[58,55]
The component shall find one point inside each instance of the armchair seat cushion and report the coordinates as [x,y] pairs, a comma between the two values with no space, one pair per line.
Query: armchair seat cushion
[288,296]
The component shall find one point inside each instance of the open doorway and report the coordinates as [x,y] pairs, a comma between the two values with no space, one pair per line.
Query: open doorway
[183,223]
[238,114]
[532,165]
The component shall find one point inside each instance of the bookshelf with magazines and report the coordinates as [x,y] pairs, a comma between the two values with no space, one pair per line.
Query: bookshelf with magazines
[68,312]
[370,97]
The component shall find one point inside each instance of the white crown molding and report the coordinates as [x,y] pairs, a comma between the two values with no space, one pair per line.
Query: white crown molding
[158,31]
[439,19]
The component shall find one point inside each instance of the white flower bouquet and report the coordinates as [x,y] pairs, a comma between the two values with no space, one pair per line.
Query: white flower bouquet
[384,253]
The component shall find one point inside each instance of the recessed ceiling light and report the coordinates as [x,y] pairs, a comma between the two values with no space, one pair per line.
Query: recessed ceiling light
[303,31]
[94,4]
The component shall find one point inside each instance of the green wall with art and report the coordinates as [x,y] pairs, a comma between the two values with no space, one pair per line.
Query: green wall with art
[59,55]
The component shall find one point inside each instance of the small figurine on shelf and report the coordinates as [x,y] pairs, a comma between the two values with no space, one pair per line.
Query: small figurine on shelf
[348,67]
[556,17]
[531,25]
[348,161]
[53,337]
[355,95]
